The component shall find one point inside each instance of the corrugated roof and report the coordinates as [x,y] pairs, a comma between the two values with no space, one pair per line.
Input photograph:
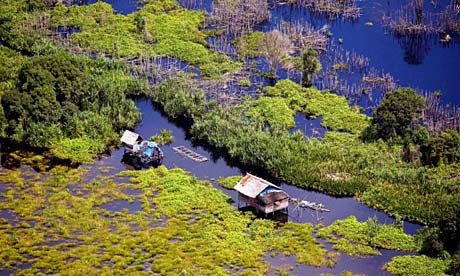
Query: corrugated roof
[251,185]
[129,138]
[272,197]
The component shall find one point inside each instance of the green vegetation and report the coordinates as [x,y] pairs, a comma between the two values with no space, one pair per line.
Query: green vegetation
[310,65]
[274,112]
[73,105]
[159,28]
[417,266]
[336,113]
[248,45]
[184,226]
[164,138]
[362,238]
[340,163]
[229,182]
[392,119]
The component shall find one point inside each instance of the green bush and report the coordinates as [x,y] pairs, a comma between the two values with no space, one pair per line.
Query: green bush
[417,266]
[229,182]
[164,138]
[62,96]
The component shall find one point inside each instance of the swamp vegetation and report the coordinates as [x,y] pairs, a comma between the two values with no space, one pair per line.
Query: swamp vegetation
[70,94]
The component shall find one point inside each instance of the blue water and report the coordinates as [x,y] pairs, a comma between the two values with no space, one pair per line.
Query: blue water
[426,64]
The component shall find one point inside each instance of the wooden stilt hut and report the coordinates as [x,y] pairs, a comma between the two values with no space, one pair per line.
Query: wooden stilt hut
[261,194]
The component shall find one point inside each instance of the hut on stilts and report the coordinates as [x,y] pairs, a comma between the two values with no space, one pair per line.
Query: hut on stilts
[262,195]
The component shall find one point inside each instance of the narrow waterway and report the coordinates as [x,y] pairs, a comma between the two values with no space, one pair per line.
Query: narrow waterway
[153,121]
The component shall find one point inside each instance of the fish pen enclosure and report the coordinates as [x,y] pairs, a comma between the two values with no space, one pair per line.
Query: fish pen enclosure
[262,195]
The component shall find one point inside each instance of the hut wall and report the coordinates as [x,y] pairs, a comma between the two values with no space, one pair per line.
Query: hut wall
[270,208]
[276,206]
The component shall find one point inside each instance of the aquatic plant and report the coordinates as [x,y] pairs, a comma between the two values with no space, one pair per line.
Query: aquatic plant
[417,265]
[271,112]
[62,224]
[362,238]
[229,182]
[336,113]
[164,138]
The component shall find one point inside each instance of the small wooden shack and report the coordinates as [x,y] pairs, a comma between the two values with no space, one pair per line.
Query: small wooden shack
[261,194]
[130,139]
[147,152]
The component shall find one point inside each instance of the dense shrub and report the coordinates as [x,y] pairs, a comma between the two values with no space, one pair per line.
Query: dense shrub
[62,96]
[393,120]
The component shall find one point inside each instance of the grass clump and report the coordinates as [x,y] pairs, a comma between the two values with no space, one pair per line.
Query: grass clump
[229,182]
[271,112]
[101,30]
[158,29]
[362,238]
[249,45]
[164,138]
[78,150]
[336,113]
[417,266]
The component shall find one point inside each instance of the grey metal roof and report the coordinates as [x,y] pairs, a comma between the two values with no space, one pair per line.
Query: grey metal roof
[251,185]
[129,138]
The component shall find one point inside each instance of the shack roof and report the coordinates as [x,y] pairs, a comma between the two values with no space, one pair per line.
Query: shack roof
[274,196]
[129,138]
[252,186]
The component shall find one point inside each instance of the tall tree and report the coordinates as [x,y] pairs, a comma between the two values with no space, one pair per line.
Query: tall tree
[310,65]
[395,117]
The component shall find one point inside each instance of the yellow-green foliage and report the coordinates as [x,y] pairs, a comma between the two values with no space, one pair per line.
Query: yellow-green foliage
[249,45]
[272,111]
[159,28]
[185,226]
[77,150]
[336,113]
[362,238]
[175,25]
[425,200]
[229,182]
[101,30]
[11,63]
[164,138]
[159,6]
[417,266]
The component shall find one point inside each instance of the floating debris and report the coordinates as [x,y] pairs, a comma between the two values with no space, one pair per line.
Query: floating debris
[309,204]
[313,205]
[447,38]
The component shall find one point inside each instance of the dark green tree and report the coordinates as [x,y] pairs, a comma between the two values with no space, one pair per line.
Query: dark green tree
[63,96]
[310,65]
[396,116]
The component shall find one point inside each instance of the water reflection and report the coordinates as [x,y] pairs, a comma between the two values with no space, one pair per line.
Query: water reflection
[415,47]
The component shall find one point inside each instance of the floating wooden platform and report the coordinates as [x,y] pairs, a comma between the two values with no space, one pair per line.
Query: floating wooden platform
[190,154]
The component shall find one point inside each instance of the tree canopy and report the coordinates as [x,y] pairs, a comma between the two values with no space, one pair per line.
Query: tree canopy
[63,96]
[395,117]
